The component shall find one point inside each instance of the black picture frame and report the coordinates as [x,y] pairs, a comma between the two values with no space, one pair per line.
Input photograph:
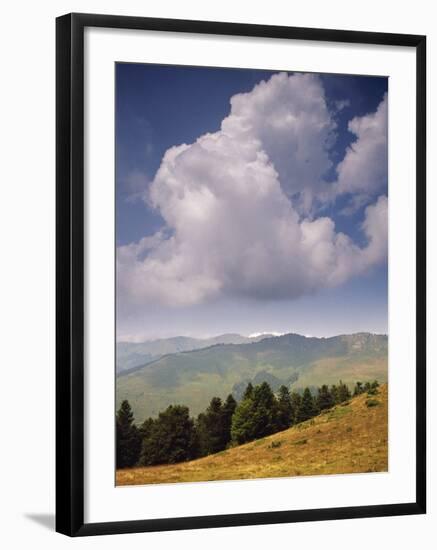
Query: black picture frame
[70,273]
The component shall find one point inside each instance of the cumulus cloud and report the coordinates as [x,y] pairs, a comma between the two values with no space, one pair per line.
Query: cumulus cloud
[363,170]
[288,118]
[236,203]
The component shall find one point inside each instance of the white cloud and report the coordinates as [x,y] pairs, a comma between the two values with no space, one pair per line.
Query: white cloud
[235,203]
[364,167]
[289,118]
[375,227]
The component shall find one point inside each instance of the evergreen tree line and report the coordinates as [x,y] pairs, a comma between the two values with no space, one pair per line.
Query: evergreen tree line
[176,437]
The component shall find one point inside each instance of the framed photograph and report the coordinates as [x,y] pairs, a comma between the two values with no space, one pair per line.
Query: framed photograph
[240,274]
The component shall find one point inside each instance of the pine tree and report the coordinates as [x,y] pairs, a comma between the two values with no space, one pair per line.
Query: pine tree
[214,417]
[285,409]
[248,392]
[324,398]
[265,417]
[256,415]
[172,438]
[210,428]
[334,394]
[201,435]
[128,437]
[307,407]
[343,392]
[358,390]
[296,400]
[146,428]
[242,427]
[228,411]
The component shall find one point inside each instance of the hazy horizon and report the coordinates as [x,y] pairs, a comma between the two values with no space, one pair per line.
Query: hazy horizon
[253,335]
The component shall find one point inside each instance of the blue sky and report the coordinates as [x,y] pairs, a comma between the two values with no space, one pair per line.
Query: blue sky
[324,181]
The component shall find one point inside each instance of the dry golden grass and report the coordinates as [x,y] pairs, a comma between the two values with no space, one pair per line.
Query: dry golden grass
[350,438]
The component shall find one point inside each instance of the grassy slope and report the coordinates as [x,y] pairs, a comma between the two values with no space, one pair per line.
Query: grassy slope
[349,438]
[332,369]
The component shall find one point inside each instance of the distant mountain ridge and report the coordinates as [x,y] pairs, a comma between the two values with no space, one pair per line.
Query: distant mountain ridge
[131,355]
[193,377]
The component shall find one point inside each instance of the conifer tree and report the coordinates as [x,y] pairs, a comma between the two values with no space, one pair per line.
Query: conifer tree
[128,437]
[358,390]
[324,398]
[248,392]
[334,394]
[172,438]
[146,428]
[343,392]
[201,435]
[285,409]
[242,427]
[307,407]
[210,428]
[228,411]
[256,415]
[296,400]
[265,411]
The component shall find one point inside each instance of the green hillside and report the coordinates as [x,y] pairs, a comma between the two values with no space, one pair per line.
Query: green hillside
[349,438]
[193,378]
[134,354]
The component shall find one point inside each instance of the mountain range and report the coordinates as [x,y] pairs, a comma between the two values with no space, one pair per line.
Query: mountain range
[133,354]
[193,377]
